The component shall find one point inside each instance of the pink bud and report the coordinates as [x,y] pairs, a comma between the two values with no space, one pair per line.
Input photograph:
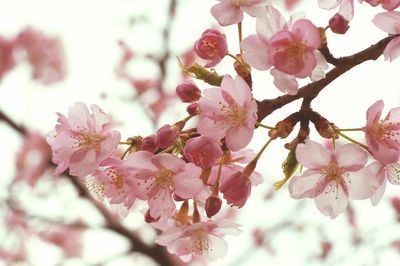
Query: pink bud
[339,24]
[148,144]
[193,109]
[213,205]
[211,46]
[188,92]
[148,219]
[237,189]
[202,151]
[166,136]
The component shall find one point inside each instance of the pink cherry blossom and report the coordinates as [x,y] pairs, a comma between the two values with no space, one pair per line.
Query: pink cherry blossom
[236,189]
[161,175]
[68,238]
[83,140]
[389,22]
[7,61]
[229,12]
[202,151]
[33,158]
[230,112]
[292,52]
[383,136]
[386,4]
[332,176]
[44,54]
[198,239]
[110,181]
[211,46]
[291,48]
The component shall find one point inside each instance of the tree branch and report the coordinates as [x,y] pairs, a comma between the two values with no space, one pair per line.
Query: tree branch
[310,91]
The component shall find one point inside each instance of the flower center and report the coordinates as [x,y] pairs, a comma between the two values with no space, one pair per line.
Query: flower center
[86,139]
[199,242]
[295,50]
[333,172]
[235,115]
[117,180]
[380,131]
[164,178]
[239,2]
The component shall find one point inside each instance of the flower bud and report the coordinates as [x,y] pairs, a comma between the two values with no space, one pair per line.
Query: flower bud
[148,144]
[188,92]
[166,136]
[193,109]
[213,205]
[211,46]
[339,24]
[236,189]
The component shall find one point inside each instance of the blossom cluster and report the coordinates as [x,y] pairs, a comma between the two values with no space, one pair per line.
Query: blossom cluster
[182,173]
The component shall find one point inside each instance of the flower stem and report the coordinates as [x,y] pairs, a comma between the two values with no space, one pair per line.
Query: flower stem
[262,150]
[240,33]
[217,182]
[264,126]
[234,57]
[125,142]
[350,129]
[352,140]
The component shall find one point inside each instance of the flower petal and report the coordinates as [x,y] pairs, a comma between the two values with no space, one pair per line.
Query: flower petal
[255,52]
[332,201]
[350,157]
[313,155]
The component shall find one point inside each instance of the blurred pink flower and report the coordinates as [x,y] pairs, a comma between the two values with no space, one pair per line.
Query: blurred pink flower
[389,22]
[68,238]
[33,158]
[383,136]
[229,12]
[386,4]
[83,140]
[161,175]
[332,176]
[211,46]
[230,112]
[44,54]
[7,61]
[198,239]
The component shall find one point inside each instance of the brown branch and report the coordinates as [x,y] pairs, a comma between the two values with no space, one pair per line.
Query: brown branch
[156,252]
[310,91]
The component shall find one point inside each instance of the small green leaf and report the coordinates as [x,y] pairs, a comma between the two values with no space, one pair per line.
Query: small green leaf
[289,167]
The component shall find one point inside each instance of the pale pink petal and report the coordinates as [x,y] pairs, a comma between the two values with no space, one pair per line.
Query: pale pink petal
[391,4]
[168,161]
[100,118]
[307,33]
[350,157]
[161,204]
[238,137]
[140,160]
[218,249]
[347,10]
[212,129]
[374,112]
[210,103]
[332,201]
[310,62]
[328,4]
[227,14]
[255,52]
[172,234]
[393,173]
[187,183]
[78,114]
[392,50]
[84,165]
[236,89]
[388,21]
[313,155]
[304,186]
[360,184]
[285,82]
[253,10]
[318,72]
[269,23]
[378,172]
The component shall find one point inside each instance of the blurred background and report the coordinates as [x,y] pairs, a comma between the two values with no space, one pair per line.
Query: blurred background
[122,55]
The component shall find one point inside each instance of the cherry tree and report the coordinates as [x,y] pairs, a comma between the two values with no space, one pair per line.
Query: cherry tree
[175,194]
